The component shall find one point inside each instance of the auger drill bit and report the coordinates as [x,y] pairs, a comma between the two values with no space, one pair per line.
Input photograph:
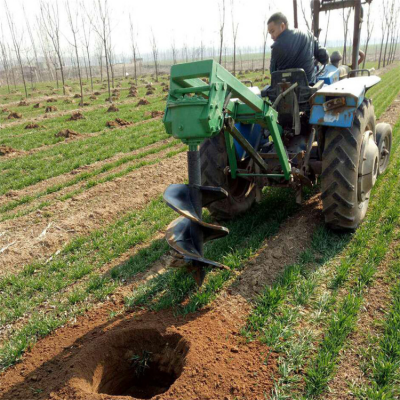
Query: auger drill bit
[188,233]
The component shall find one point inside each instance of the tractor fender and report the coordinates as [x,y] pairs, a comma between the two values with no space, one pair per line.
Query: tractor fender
[335,105]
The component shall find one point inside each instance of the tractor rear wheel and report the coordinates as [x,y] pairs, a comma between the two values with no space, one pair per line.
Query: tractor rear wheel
[241,193]
[347,155]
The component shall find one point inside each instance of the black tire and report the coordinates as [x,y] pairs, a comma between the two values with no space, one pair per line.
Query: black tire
[342,207]
[214,160]
[384,143]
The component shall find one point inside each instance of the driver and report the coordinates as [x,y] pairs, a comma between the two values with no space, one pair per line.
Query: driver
[294,48]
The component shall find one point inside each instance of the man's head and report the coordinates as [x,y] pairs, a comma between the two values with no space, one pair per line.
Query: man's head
[277,24]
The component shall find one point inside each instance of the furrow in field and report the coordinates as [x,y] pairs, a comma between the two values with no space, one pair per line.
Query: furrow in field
[37,238]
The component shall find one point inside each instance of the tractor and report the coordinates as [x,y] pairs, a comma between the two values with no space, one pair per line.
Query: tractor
[241,139]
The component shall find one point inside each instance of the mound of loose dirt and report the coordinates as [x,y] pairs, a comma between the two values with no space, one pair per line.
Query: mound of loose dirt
[5,110]
[66,133]
[33,126]
[37,105]
[132,94]
[115,92]
[149,93]
[162,84]
[149,86]
[6,150]
[93,97]
[68,101]
[22,103]
[165,89]
[50,109]
[97,93]
[117,123]
[142,102]
[153,114]
[52,100]
[75,116]
[85,104]
[77,96]
[112,98]
[112,108]
[14,115]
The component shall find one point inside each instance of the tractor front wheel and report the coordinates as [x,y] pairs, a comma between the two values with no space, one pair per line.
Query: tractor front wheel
[241,192]
[350,164]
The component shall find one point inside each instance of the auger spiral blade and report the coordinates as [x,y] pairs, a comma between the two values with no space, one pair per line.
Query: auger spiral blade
[187,234]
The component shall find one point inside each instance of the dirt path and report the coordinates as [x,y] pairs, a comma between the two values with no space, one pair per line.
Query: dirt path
[36,237]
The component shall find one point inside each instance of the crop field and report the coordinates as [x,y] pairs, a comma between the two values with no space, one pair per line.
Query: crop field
[91,306]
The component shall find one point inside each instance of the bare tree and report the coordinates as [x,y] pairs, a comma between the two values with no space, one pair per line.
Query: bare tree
[4,61]
[154,50]
[51,22]
[174,51]
[35,53]
[17,41]
[389,21]
[235,28]
[265,37]
[327,28]
[86,42]
[370,28]
[384,27]
[221,29]
[346,17]
[303,11]
[73,23]
[134,47]
[101,27]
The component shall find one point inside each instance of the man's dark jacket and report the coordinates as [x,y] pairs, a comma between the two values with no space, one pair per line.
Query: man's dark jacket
[296,49]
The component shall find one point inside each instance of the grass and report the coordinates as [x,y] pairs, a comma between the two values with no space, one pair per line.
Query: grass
[310,301]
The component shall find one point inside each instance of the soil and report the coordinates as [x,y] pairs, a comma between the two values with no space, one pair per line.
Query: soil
[4,150]
[68,101]
[284,249]
[77,96]
[75,116]
[153,114]
[23,103]
[37,105]
[202,356]
[149,93]
[50,109]
[117,123]
[5,110]
[33,126]
[93,97]
[14,115]
[90,210]
[142,102]
[66,133]
[113,108]
[52,100]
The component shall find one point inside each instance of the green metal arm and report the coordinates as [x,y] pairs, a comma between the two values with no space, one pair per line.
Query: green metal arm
[196,111]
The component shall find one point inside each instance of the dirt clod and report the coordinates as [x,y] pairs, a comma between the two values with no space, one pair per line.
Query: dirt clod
[52,100]
[14,115]
[142,102]
[77,96]
[97,93]
[112,108]
[153,114]
[149,93]
[33,126]
[22,103]
[75,116]
[118,122]
[5,110]
[66,133]
[93,97]
[50,109]
[68,101]
[4,150]
[37,105]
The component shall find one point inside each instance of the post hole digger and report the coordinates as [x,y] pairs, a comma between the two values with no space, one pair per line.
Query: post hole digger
[289,134]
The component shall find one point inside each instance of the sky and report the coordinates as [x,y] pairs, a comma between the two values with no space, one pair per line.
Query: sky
[187,21]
